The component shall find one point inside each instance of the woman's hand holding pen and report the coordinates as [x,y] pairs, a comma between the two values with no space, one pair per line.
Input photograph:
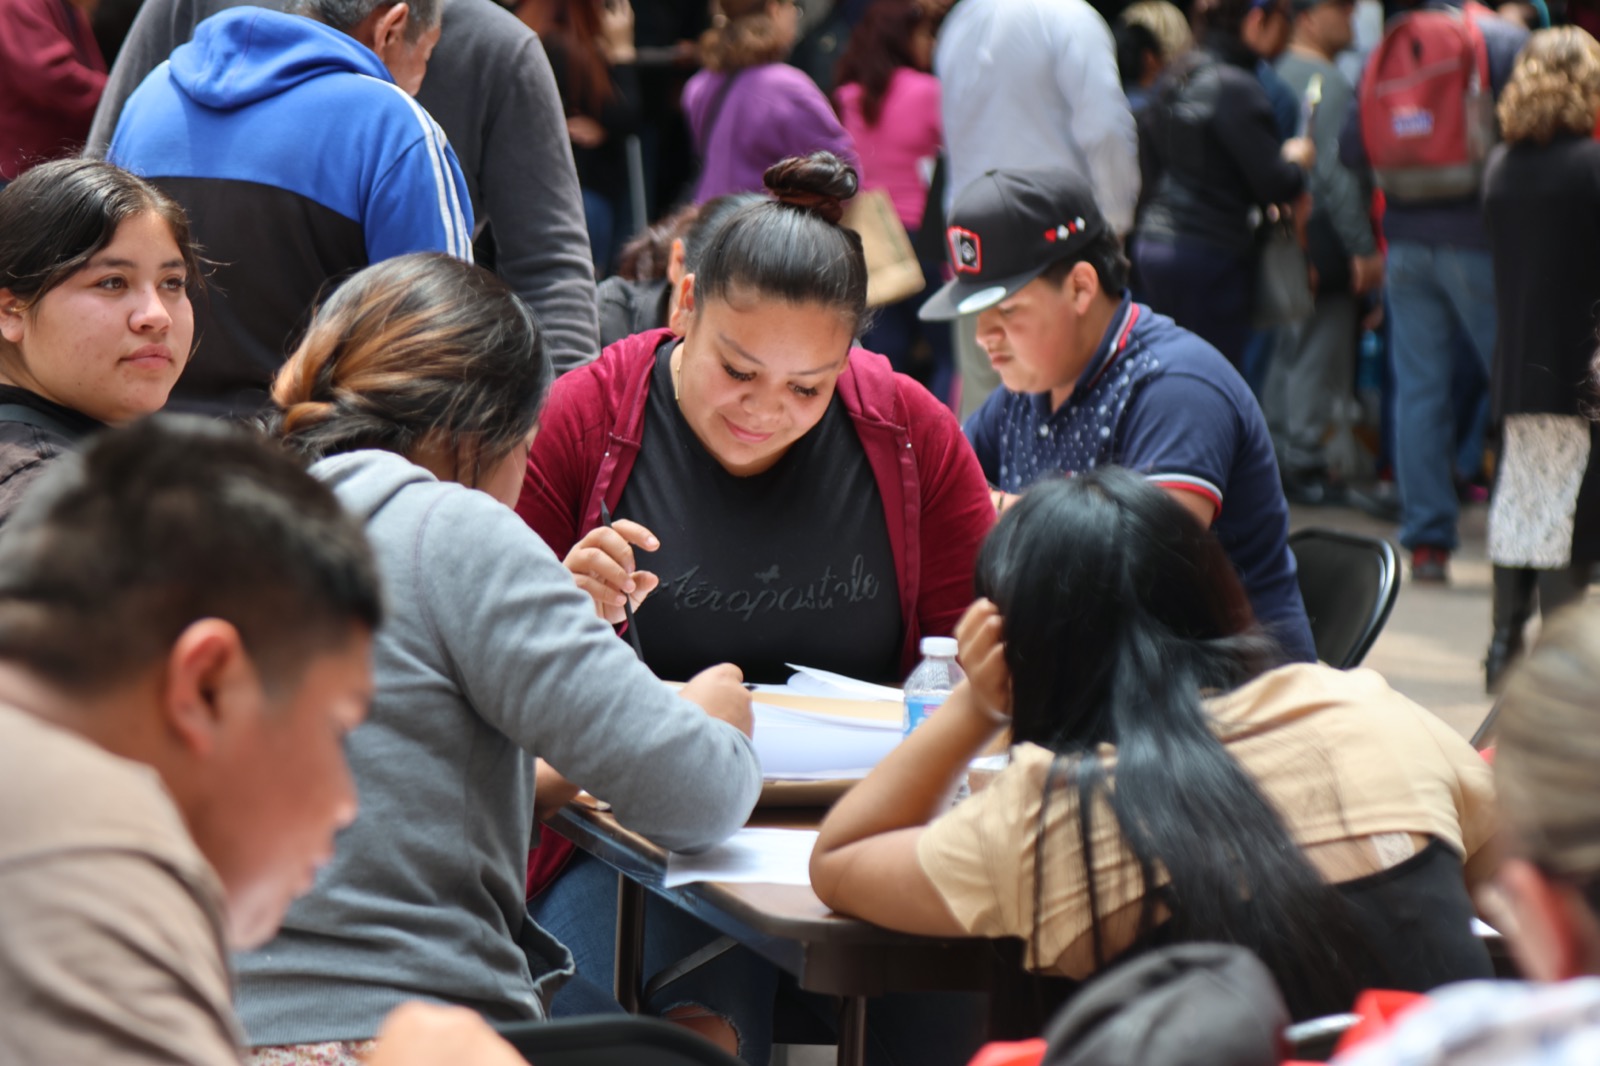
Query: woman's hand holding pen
[603,565]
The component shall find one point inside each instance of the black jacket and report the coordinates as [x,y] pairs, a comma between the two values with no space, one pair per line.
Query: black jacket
[1541,206]
[1209,151]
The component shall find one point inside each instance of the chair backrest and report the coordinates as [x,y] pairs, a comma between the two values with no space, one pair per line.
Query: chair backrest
[613,1039]
[1349,583]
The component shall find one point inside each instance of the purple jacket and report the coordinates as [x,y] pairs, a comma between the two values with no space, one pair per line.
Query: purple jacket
[772,112]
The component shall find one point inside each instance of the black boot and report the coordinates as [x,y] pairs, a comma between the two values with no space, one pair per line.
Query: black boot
[1513,606]
[1560,588]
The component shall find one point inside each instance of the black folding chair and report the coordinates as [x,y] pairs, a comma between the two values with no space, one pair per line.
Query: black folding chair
[613,1039]
[1349,583]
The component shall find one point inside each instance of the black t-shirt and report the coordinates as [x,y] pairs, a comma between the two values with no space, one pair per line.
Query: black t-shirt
[789,565]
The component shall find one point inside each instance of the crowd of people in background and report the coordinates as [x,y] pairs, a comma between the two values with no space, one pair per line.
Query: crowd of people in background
[490,334]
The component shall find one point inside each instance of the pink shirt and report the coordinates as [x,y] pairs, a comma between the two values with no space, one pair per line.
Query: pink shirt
[897,154]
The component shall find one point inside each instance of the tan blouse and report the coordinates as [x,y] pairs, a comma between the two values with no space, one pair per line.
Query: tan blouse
[1361,776]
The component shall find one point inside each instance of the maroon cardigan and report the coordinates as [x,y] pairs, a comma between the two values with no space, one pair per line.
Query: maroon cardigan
[935,499]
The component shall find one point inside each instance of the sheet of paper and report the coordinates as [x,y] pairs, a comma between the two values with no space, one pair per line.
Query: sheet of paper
[811,681]
[816,711]
[796,748]
[766,856]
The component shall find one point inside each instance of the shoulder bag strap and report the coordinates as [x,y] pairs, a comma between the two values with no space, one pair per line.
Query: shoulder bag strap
[715,111]
[30,416]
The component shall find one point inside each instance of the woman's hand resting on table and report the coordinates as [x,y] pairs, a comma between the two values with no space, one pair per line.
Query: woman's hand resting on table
[980,637]
[603,565]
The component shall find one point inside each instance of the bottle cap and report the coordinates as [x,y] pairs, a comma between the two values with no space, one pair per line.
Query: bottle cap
[945,647]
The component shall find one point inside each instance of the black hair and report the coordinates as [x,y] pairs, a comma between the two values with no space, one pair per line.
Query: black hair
[1120,611]
[792,248]
[1224,19]
[416,347]
[59,215]
[1105,254]
[712,214]
[1135,41]
[152,527]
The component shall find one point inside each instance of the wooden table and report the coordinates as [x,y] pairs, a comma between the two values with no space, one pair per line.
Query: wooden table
[785,924]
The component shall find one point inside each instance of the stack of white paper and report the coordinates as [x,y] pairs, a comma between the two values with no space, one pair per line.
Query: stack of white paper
[799,746]
[812,745]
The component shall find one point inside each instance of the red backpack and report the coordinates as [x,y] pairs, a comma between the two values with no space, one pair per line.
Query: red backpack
[1427,106]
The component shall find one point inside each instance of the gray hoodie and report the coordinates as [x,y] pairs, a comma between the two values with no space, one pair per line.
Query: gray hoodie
[490,656]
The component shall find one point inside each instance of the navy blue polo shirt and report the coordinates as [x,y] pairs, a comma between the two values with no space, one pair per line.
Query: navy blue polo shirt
[1157,399]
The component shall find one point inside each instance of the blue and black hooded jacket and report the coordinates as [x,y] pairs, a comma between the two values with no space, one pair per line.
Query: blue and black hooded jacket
[299,160]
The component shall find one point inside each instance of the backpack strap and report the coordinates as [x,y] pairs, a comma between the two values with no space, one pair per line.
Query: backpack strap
[32,416]
[715,111]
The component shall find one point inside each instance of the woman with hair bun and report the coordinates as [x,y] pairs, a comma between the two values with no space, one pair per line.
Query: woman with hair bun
[748,109]
[1541,204]
[415,393]
[95,320]
[799,500]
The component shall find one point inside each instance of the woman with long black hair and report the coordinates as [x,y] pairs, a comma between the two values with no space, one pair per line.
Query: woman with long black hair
[1166,781]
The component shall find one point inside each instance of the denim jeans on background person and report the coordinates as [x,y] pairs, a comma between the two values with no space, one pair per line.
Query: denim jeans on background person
[1441,300]
[580,910]
[600,219]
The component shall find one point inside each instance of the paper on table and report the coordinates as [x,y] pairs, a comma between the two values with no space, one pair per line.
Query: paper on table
[793,748]
[766,856]
[811,681]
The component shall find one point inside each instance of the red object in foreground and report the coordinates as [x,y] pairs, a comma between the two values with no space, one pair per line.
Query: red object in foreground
[1010,1053]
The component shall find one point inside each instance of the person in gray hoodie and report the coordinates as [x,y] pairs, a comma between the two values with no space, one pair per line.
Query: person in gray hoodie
[417,389]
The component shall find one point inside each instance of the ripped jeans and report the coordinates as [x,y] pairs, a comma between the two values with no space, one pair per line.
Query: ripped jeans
[580,910]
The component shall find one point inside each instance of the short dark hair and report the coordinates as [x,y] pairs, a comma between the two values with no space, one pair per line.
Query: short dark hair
[58,215]
[157,525]
[793,248]
[1105,254]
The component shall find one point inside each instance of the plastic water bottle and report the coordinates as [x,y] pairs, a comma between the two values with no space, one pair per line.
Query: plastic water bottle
[931,682]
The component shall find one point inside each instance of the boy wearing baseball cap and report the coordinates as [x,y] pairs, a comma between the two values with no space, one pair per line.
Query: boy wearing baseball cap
[1090,377]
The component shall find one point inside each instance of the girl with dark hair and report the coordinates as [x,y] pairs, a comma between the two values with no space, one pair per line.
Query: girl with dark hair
[800,501]
[591,50]
[748,109]
[1312,815]
[889,104]
[416,393]
[1211,155]
[95,319]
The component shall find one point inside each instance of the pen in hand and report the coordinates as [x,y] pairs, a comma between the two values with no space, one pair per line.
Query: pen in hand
[627,601]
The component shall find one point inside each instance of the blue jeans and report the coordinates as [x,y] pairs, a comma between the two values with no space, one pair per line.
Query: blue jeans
[580,910]
[1442,300]
[600,218]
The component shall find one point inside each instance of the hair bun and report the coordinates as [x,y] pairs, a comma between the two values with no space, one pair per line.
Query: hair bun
[820,183]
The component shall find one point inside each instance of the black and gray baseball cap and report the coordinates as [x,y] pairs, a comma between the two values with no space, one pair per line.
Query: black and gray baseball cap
[1005,229]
